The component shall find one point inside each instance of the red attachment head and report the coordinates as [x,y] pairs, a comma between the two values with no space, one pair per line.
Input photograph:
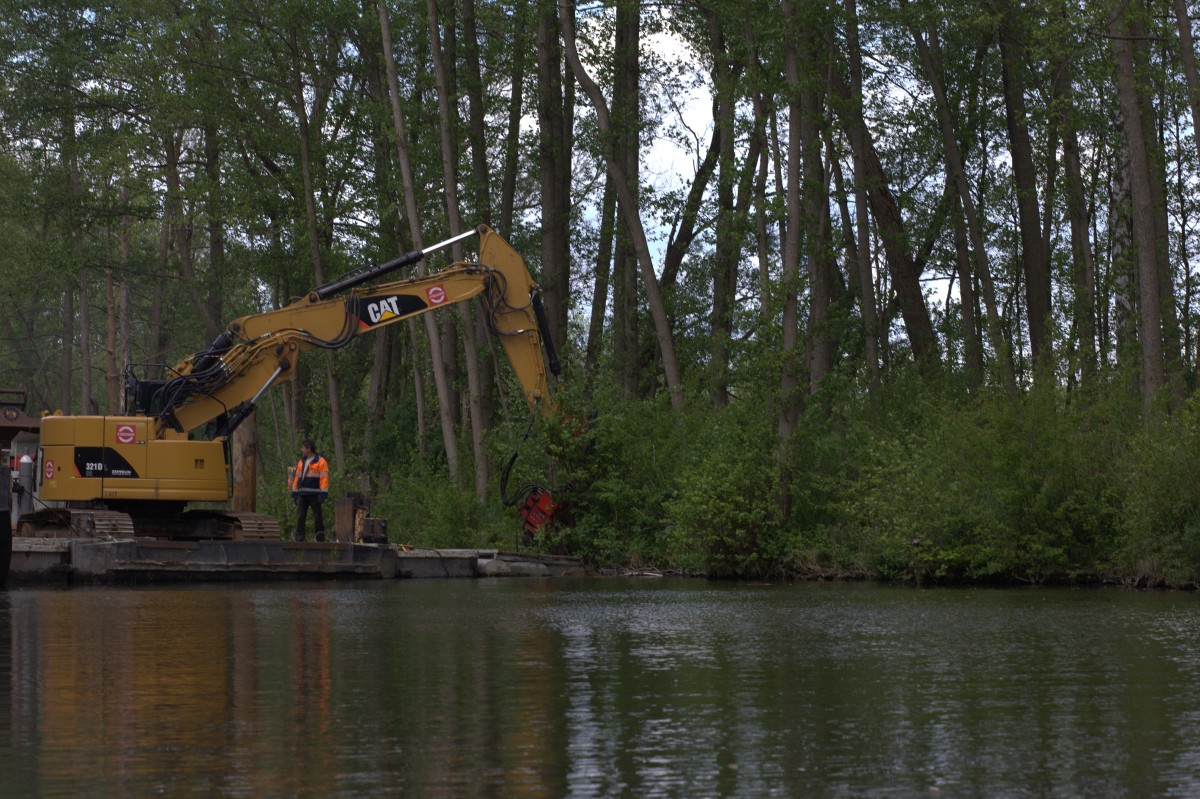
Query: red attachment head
[537,510]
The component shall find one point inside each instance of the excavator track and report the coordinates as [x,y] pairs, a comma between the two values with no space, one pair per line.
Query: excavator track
[211,525]
[76,523]
[254,527]
[101,524]
[202,525]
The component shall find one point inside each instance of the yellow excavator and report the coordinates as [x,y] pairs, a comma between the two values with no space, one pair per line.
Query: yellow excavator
[133,475]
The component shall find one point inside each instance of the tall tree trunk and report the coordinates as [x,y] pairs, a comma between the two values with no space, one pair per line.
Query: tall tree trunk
[685,231]
[1136,14]
[862,221]
[725,262]
[244,444]
[448,322]
[508,185]
[1033,253]
[112,379]
[125,300]
[86,400]
[554,153]
[389,244]
[789,396]
[388,345]
[1083,266]
[626,196]
[85,337]
[377,390]
[747,191]
[66,373]
[441,383]
[216,222]
[761,116]
[930,60]
[762,236]
[155,343]
[780,183]
[1150,329]
[853,228]
[626,143]
[604,253]
[972,341]
[293,391]
[476,113]
[814,190]
[626,337]
[481,172]
[418,375]
[181,229]
[450,179]
[893,233]
[1181,195]
[1119,340]
[300,108]
[1187,52]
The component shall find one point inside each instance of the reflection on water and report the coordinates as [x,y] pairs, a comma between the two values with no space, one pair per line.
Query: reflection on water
[532,688]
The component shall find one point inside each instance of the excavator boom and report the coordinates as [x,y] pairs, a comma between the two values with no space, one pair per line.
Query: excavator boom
[261,350]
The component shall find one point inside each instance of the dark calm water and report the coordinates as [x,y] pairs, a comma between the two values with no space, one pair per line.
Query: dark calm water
[597,688]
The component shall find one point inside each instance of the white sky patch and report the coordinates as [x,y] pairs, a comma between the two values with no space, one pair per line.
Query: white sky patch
[668,165]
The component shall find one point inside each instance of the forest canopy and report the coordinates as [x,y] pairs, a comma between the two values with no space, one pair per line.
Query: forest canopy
[915,300]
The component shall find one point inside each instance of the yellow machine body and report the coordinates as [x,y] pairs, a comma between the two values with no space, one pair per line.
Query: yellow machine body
[119,458]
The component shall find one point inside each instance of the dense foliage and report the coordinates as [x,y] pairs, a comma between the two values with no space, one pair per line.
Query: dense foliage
[897,288]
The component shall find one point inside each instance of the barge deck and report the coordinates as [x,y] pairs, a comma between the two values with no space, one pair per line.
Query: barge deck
[83,561]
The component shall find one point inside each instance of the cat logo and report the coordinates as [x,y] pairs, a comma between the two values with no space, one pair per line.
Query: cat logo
[381,311]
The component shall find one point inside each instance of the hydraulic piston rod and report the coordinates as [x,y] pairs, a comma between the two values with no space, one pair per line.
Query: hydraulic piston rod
[370,273]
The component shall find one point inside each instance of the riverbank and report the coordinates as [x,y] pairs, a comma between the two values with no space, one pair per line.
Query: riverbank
[1148,579]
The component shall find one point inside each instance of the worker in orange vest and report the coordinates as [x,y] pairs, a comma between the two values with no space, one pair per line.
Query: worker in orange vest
[310,488]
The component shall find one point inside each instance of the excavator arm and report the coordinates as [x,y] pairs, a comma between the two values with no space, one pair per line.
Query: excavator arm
[220,385]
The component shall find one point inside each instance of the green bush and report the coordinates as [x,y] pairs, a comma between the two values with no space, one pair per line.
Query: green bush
[1160,517]
[426,509]
[616,477]
[993,488]
[723,517]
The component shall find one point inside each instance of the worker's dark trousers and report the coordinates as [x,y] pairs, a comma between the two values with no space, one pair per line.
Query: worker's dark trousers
[305,502]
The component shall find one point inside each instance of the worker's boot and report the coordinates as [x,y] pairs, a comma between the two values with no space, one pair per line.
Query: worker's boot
[320,535]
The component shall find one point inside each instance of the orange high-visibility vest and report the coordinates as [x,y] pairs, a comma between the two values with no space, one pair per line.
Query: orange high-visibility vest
[311,476]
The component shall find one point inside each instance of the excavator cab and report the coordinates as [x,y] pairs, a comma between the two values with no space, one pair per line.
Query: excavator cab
[142,395]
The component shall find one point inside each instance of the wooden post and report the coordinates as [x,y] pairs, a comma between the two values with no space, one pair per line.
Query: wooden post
[244,449]
[343,519]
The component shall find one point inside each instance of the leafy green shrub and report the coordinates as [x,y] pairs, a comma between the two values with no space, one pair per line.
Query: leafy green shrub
[617,475]
[723,516]
[1160,517]
[996,488]
[426,509]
